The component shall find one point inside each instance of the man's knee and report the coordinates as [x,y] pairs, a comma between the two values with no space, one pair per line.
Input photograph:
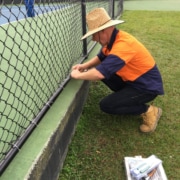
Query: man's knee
[105,106]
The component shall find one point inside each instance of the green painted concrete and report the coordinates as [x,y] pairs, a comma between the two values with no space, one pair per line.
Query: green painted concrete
[152,5]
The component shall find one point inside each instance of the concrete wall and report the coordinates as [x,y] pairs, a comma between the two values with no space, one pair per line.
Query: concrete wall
[51,160]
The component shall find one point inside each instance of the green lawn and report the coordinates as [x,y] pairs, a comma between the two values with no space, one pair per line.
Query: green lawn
[102,141]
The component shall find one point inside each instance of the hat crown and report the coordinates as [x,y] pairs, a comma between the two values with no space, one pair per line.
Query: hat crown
[97,18]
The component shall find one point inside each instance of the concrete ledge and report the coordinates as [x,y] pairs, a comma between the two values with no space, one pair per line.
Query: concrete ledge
[51,160]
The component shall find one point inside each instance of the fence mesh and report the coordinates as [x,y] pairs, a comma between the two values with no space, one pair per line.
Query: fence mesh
[39,42]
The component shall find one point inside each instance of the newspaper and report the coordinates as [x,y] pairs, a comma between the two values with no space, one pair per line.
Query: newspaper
[155,173]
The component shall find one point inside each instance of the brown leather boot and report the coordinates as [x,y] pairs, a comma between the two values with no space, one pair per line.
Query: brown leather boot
[150,119]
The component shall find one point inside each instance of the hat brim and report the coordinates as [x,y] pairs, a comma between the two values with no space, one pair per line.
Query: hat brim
[108,24]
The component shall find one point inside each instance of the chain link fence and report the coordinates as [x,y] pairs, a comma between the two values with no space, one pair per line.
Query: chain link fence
[39,43]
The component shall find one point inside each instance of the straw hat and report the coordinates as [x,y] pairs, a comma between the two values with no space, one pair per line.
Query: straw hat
[97,20]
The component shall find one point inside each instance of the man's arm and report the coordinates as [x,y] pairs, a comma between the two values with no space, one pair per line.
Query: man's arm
[91,74]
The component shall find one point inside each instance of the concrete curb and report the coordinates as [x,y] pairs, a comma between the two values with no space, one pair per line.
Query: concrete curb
[51,160]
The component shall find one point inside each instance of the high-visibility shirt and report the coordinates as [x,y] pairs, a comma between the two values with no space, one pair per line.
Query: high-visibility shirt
[126,57]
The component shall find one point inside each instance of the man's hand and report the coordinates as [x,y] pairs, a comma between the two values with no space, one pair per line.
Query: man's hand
[79,67]
[83,74]
[75,73]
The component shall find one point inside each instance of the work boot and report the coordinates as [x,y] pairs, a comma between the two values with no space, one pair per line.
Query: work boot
[150,119]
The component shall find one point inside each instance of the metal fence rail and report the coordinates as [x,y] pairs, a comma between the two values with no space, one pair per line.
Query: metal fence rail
[39,42]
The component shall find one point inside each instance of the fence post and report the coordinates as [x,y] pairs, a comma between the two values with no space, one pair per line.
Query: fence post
[83,9]
[113,9]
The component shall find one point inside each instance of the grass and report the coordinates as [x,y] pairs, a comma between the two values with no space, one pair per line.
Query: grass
[102,141]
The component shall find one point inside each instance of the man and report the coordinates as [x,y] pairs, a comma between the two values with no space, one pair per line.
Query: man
[30,7]
[126,67]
